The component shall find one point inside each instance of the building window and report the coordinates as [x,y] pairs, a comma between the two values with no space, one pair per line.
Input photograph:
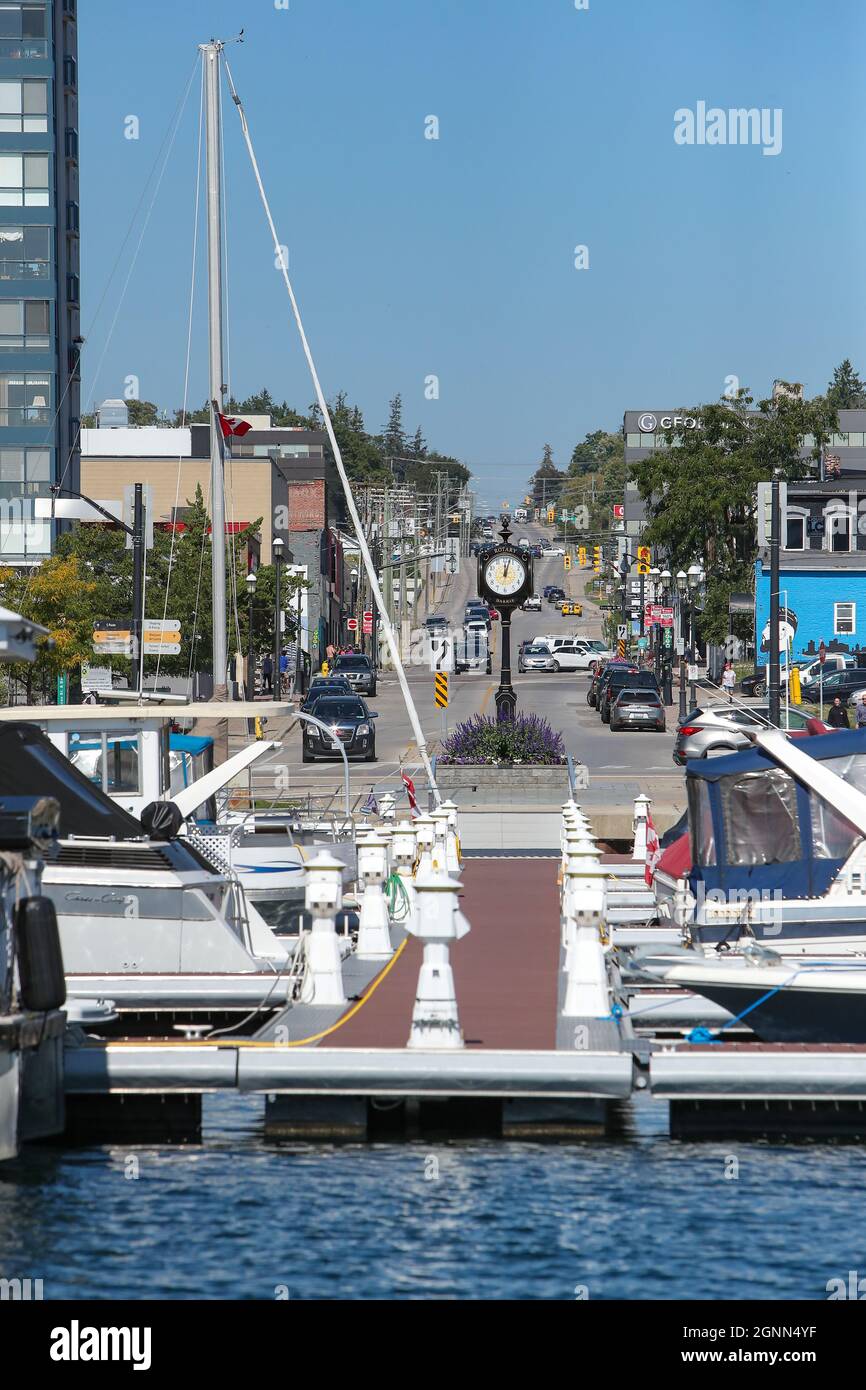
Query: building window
[70,71]
[22,31]
[632,441]
[838,531]
[72,289]
[25,325]
[71,143]
[26,471]
[72,217]
[24,107]
[839,441]
[795,532]
[844,619]
[24,180]
[25,253]
[25,399]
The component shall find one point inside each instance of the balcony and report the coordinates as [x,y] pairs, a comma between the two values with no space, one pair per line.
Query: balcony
[21,49]
[24,270]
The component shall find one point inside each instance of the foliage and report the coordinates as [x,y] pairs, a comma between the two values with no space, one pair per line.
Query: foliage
[846,391]
[59,596]
[484,741]
[596,477]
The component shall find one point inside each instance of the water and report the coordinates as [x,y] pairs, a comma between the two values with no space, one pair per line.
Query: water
[244,1217]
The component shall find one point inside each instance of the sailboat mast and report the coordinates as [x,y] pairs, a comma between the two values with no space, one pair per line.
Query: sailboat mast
[211,58]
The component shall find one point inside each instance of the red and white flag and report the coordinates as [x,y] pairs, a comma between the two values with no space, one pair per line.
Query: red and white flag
[653,850]
[233,427]
[410,792]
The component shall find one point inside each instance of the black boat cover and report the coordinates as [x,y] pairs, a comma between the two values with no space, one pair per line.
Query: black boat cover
[30,765]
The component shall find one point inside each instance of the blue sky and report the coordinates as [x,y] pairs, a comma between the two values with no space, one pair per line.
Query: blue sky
[455,257]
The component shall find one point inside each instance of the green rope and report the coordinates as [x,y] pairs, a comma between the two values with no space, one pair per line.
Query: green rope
[399,905]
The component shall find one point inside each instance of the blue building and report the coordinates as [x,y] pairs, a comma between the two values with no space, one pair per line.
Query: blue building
[39,268]
[822,569]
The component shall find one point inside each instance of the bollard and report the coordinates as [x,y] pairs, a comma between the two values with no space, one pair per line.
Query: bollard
[641,814]
[404,849]
[439,853]
[438,922]
[587,990]
[425,838]
[387,804]
[576,841]
[374,935]
[454,864]
[683,908]
[324,898]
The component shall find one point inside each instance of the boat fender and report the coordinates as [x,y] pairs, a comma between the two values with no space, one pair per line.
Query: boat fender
[162,820]
[40,960]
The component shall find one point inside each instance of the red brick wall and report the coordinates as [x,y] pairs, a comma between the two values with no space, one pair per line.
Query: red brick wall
[306,502]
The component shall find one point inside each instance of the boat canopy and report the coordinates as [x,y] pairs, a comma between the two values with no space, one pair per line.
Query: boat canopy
[189,743]
[30,765]
[754,827]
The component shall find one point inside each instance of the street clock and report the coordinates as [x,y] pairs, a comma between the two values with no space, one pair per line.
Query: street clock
[505,573]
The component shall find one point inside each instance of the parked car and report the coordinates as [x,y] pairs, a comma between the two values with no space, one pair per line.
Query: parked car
[548,552]
[849,685]
[638,709]
[536,657]
[324,685]
[350,723]
[358,670]
[536,550]
[494,613]
[756,684]
[714,730]
[616,679]
[598,676]
[532,604]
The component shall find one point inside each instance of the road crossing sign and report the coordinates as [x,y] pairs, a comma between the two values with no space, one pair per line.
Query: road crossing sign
[440,689]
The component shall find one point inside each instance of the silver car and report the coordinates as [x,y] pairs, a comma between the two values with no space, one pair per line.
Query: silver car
[719,729]
[536,658]
[638,709]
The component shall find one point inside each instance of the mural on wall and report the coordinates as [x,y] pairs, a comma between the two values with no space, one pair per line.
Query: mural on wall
[787,631]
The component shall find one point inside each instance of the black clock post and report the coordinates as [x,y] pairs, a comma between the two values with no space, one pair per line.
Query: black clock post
[506,695]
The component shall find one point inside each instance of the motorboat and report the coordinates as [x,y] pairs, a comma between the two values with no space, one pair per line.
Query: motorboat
[145,920]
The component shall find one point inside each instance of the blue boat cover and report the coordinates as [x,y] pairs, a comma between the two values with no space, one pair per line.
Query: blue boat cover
[188,743]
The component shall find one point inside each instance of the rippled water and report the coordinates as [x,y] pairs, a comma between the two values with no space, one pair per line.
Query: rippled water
[239,1216]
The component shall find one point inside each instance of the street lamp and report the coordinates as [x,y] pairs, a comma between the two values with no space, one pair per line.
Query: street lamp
[696,578]
[682,590]
[251,651]
[278,547]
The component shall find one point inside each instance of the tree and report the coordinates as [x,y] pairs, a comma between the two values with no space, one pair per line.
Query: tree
[701,494]
[143,413]
[547,481]
[418,447]
[59,596]
[846,390]
[394,439]
[594,450]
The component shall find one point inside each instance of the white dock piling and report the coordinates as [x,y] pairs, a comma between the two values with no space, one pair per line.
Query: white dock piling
[374,936]
[587,992]
[435,1022]
[404,849]
[425,838]
[641,816]
[454,866]
[324,898]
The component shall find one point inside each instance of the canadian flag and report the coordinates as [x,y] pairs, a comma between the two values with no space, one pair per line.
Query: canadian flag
[410,792]
[231,426]
[653,850]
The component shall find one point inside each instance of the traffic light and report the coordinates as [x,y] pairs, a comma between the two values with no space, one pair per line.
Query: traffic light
[567,562]
[581,554]
[643,559]
[596,558]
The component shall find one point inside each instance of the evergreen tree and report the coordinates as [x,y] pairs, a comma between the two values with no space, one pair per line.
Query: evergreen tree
[418,447]
[846,391]
[394,439]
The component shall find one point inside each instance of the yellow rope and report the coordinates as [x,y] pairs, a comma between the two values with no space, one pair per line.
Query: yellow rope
[361,1002]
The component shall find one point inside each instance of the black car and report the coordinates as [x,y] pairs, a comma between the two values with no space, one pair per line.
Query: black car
[618,680]
[842,683]
[756,684]
[555,594]
[437,621]
[325,685]
[358,670]
[477,612]
[350,723]
[598,676]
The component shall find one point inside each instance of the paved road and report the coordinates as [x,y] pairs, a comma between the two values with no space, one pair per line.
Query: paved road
[619,764]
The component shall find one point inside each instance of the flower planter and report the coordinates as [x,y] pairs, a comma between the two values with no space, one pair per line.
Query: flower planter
[517,784]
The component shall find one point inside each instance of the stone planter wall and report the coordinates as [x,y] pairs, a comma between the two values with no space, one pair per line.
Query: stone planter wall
[524,785]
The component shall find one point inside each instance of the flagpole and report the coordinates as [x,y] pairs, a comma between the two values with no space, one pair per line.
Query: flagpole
[211,59]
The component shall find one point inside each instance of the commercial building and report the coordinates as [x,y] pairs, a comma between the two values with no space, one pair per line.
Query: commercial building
[283,479]
[39,268]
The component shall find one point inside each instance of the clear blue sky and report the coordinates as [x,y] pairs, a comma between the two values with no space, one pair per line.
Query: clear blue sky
[455,257]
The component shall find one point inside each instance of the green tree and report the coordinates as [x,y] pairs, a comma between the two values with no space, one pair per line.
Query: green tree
[59,596]
[394,438]
[143,413]
[846,390]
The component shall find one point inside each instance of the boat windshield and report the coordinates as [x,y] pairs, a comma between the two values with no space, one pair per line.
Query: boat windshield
[703,840]
[833,836]
[759,811]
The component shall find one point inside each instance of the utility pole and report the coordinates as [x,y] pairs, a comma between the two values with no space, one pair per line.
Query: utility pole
[773,685]
[138,584]
[211,59]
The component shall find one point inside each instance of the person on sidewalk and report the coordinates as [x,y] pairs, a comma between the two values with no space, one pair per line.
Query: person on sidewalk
[860,714]
[729,680]
[268,674]
[837,715]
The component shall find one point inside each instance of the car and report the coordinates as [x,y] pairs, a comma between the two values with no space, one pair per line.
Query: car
[555,594]
[472,650]
[436,621]
[532,604]
[549,552]
[570,608]
[546,591]
[494,613]
[480,614]
[351,725]
[536,657]
[848,685]
[616,679]
[325,685]
[712,731]
[523,543]
[358,670]
[636,708]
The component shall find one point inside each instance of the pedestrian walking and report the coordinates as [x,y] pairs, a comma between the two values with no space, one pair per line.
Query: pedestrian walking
[268,674]
[837,715]
[860,713]
[729,680]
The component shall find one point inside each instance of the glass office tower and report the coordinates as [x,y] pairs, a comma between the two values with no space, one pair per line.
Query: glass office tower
[39,286]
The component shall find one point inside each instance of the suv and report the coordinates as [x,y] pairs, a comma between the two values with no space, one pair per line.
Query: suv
[616,679]
[555,594]
[848,685]
[715,730]
[359,672]
[637,709]
[599,674]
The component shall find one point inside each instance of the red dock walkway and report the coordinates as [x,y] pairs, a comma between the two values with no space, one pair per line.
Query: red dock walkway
[505,970]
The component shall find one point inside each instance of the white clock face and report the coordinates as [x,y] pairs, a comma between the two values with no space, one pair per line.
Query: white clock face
[505,575]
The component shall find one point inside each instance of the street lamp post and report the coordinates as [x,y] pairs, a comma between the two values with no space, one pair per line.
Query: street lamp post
[359,636]
[251,650]
[682,590]
[278,546]
[696,578]
[666,655]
